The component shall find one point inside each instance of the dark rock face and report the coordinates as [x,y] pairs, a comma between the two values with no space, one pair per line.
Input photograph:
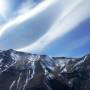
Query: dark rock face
[26,71]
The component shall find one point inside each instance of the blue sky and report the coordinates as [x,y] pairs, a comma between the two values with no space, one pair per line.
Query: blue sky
[52,27]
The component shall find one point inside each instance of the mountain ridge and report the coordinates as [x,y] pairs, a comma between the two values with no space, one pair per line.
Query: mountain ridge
[26,71]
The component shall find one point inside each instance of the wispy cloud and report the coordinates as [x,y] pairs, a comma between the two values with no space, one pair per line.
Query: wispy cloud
[71,17]
[26,6]
[27,15]
[4,8]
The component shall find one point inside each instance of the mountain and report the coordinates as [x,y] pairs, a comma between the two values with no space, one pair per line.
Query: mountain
[26,71]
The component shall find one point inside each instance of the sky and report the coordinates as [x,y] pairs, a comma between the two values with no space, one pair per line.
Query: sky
[51,27]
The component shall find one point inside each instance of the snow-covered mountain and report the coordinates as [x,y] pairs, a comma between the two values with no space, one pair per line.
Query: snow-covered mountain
[26,71]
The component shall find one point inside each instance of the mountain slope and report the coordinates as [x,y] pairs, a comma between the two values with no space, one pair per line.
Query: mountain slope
[26,71]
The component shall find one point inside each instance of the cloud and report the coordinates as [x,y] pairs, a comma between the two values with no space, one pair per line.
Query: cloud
[71,17]
[4,8]
[27,15]
[26,6]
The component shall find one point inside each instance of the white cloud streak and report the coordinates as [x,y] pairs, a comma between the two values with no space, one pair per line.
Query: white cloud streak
[4,6]
[69,19]
[27,15]
[25,6]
